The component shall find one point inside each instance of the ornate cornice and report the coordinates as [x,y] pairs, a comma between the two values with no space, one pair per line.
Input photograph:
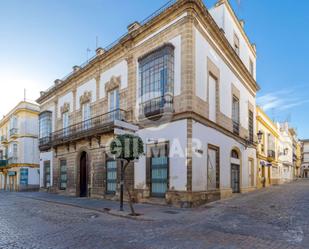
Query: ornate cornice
[86,97]
[113,83]
[65,108]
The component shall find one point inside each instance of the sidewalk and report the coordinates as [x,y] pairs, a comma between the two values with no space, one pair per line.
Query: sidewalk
[148,212]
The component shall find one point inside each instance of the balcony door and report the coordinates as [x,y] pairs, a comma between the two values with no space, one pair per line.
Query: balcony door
[65,123]
[86,110]
[113,104]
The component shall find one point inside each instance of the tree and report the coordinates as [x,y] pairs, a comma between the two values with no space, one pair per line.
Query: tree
[126,148]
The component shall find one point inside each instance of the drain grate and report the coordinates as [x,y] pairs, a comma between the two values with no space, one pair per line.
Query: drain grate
[170,212]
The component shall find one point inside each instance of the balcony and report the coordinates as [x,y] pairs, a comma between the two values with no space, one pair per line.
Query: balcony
[271,155]
[3,139]
[12,160]
[236,128]
[45,143]
[98,125]
[13,132]
[3,163]
[156,107]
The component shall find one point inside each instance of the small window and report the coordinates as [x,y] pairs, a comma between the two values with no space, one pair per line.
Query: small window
[236,44]
[63,174]
[235,115]
[251,67]
[250,126]
[234,154]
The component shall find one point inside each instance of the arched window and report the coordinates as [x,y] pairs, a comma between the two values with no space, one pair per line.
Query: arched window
[234,154]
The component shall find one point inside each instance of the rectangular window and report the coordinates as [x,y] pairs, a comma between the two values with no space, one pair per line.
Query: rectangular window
[250,126]
[63,174]
[212,98]
[251,172]
[111,177]
[24,176]
[45,124]
[46,174]
[251,67]
[213,168]
[235,115]
[236,44]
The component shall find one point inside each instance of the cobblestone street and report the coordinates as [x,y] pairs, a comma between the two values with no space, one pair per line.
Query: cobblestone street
[276,217]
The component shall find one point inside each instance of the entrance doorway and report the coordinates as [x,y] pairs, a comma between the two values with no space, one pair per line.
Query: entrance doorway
[235,173]
[83,175]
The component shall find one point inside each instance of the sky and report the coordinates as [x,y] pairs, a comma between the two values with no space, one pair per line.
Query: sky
[41,40]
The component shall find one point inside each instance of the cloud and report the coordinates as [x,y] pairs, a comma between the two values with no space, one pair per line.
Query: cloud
[282,100]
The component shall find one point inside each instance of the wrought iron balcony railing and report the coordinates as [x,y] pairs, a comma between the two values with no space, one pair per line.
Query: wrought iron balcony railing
[13,132]
[12,160]
[236,127]
[45,143]
[94,126]
[156,106]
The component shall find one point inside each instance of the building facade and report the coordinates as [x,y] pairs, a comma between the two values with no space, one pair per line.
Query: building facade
[19,154]
[304,171]
[285,153]
[184,81]
[267,155]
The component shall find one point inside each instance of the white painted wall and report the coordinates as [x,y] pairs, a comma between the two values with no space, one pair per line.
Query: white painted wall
[28,151]
[89,86]
[227,77]
[120,69]
[46,156]
[33,176]
[225,21]
[175,133]
[205,136]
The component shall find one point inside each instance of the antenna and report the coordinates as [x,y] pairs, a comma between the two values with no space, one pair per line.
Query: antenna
[24,94]
[88,51]
[96,42]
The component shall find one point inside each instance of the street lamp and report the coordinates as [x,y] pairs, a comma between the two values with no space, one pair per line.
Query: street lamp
[260,135]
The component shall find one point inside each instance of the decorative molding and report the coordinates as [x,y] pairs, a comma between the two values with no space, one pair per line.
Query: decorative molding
[65,108]
[113,83]
[86,97]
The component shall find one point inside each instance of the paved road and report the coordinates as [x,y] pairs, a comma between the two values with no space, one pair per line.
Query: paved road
[273,218]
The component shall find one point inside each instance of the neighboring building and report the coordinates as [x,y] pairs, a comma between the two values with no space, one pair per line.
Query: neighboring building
[19,154]
[296,152]
[285,153]
[184,81]
[305,159]
[267,156]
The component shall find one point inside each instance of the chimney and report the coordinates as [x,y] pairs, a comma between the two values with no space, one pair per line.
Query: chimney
[133,26]
[242,23]
[57,82]
[42,93]
[76,68]
[100,51]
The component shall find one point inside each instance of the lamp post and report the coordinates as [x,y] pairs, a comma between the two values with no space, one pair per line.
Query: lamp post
[260,135]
